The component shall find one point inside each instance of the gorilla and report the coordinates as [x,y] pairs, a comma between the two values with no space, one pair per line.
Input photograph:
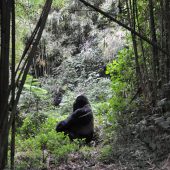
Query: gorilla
[58,95]
[57,99]
[80,124]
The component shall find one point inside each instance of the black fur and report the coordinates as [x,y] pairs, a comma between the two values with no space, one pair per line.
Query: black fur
[80,123]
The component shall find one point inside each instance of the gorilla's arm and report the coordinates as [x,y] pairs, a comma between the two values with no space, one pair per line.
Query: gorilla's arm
[83,113]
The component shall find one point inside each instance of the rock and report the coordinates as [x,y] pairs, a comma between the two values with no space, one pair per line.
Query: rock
[161,102]
[162,122]
[143,122]
[158,120]
[164,104]
[166,91]
[168,120]
[164,125]
[167,106]
[167,114]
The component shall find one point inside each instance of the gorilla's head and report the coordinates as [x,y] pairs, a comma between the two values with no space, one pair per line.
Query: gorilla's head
[80,102]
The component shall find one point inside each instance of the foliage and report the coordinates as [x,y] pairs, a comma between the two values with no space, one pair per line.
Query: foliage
[95,88]
[22,28]
[121,71]
[105,154]
[28,154]
[34,86]
[59,3]
[29,151]
[122,77]
[77,43]
[59,145]
[31,9]
[32,124]
[34,97]
[86,152]
[27,13]
[75,63]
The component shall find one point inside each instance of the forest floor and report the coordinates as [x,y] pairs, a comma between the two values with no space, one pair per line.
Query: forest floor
[77,162]
[140,145]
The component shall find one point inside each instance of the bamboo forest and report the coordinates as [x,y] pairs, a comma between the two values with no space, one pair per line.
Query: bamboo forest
[84,85]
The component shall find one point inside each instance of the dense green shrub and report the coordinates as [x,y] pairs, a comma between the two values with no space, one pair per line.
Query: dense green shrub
[29,151]
[122,76]
[32,124]
[34,97]
[28,154]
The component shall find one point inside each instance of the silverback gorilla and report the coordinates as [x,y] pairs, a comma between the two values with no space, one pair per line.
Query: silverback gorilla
[80,124]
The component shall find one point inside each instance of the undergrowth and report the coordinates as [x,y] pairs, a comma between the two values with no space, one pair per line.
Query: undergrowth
[37,140]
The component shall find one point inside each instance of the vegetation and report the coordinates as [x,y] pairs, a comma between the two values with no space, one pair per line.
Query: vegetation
[114,52]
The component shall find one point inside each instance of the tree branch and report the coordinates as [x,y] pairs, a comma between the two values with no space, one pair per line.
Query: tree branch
[107,15]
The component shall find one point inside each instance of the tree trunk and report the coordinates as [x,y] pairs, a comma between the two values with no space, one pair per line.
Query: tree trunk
[162,55]
[155,61]
[131,18]
[167,33]
[4,79]
[13,86]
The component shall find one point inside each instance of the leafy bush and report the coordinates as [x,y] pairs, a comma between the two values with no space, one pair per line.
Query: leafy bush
[106,154]
[34,98]
[56,143]
[34,86]
[32,124]
[86,151]
[122,77]
[29,151]
[59,146]
[28,154]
